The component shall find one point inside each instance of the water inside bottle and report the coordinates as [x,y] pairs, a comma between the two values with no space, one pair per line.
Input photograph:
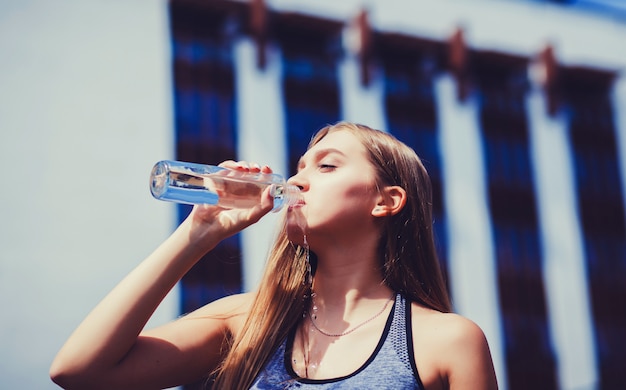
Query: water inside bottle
[228,188]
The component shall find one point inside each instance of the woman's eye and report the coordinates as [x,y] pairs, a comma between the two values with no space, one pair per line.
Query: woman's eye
[326,167]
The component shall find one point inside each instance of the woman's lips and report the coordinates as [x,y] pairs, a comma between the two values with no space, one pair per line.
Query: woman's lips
[298,204]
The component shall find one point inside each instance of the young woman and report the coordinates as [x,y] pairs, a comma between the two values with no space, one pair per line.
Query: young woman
[352,296]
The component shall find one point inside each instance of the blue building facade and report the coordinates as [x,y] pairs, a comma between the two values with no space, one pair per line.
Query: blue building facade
[523,153]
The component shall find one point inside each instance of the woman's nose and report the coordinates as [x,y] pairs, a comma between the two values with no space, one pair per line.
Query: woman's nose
[298,181]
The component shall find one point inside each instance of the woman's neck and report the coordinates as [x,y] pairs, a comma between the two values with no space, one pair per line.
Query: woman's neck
[348,271]
[343,287]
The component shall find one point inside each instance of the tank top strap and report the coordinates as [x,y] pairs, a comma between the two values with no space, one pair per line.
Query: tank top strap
[401,335]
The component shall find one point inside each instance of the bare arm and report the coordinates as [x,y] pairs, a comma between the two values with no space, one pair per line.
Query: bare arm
[451,352]
[469,359]
[108,350]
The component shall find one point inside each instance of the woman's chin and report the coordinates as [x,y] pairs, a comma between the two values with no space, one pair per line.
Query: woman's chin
[295,234]
[296,226]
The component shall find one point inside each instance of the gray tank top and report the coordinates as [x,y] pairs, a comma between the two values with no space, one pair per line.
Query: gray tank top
[391,366]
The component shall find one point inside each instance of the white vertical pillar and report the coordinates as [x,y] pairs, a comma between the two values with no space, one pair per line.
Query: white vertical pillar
[619,102]
[260,138]
[565,279]
[471,251]
[359,103]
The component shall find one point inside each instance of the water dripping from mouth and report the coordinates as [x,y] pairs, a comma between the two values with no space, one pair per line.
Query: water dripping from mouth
[299,220]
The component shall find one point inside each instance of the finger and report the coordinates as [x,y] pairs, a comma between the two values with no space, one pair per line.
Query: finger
[231,164]
[248,166]
[255,167]
[243,165]
[265,206]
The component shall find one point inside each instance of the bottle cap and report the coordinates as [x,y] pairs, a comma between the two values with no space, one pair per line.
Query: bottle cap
[285,195]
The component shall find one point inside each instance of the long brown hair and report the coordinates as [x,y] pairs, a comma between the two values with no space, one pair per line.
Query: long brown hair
[406,251]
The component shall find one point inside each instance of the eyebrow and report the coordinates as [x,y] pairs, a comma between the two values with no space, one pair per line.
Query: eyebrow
[319,154]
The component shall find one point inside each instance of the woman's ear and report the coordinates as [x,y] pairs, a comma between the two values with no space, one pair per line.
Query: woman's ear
[392,200]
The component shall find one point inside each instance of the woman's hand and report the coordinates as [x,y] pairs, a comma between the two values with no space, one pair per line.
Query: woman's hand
[218,222]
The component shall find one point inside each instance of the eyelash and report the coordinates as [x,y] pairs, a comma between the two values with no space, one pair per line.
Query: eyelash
[326,167]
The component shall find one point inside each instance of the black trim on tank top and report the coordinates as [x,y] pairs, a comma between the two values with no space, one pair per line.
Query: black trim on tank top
[409,341]
[381,341]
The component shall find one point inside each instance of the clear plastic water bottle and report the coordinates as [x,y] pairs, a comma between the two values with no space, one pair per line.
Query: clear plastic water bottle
[190,183]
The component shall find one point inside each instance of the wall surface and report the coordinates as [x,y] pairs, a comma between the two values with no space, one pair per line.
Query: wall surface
[85,110]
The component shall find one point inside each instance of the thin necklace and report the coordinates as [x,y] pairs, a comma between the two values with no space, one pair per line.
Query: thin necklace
[351,329]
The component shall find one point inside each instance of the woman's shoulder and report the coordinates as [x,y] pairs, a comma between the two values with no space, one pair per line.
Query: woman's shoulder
[450,345]
[445,328]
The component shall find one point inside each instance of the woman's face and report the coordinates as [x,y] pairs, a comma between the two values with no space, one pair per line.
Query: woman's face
[339,189]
